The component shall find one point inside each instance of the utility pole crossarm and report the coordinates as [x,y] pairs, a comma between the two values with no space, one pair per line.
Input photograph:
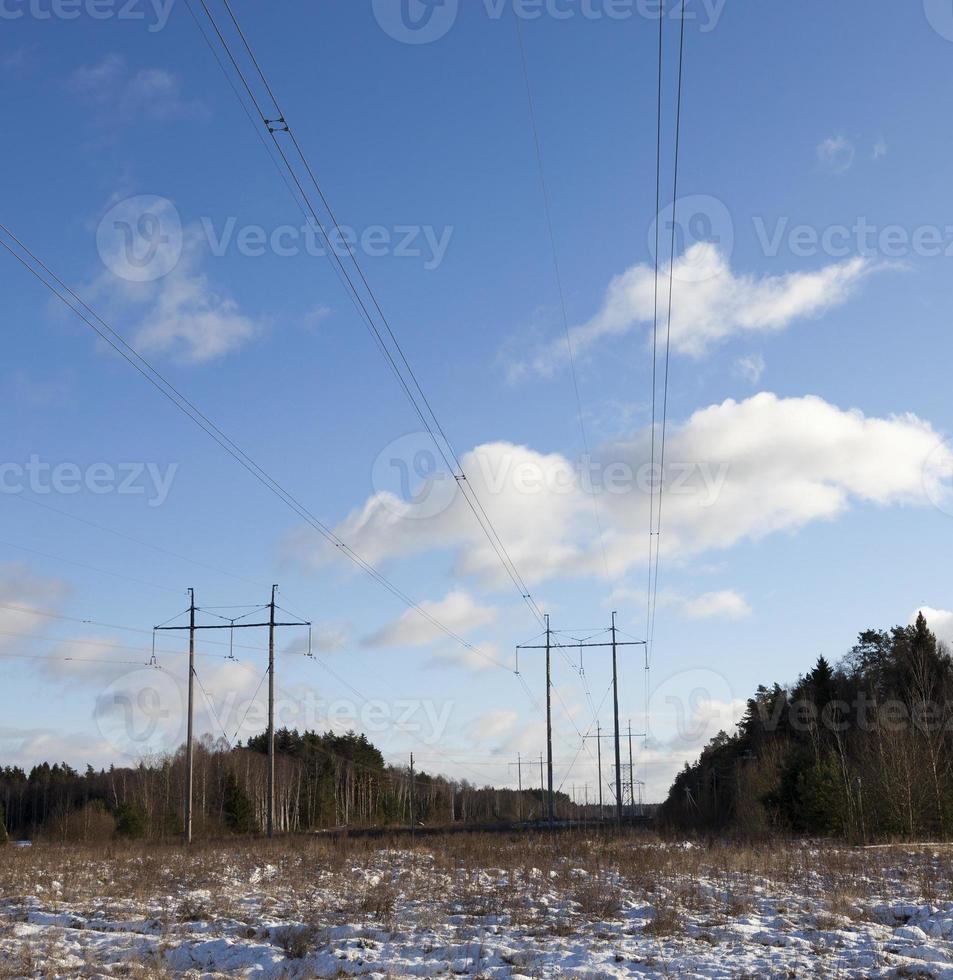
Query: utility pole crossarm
[231,626]
[226,626]
[576,646]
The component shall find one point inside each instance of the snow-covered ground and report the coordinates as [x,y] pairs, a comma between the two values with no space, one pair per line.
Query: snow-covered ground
[483,907]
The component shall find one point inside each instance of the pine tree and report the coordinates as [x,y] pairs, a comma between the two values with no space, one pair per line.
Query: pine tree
[237,807]
[4,837]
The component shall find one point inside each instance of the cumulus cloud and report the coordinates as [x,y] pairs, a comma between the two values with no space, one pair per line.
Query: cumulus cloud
[190,319]
[727,603]
[181,313]
[458,611]
[735,471]
[118,93]
[836,154]
[710,304]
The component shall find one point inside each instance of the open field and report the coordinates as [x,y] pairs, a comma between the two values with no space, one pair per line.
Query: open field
[481,906]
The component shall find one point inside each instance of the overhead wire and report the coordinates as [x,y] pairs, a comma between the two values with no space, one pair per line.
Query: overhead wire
[557,272]
[409,384]
[78,306]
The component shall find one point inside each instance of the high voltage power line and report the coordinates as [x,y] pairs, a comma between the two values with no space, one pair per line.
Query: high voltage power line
[358,287]
[95,322]
[655,514]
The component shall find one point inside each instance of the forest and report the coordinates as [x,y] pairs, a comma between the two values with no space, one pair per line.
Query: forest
[322,781]
[859,750]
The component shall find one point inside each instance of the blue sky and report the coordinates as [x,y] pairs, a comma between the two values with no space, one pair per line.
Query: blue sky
[808,372]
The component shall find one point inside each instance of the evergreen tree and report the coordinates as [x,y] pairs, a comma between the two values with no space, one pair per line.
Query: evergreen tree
[237,807]
[132,821]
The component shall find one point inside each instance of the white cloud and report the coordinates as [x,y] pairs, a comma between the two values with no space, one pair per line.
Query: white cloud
[751,367]
[710,304]
[458,611]
[940,622]
[493,725]
[727,603]
[190,319]
[880,148]
[182,314]
[735,471]
[120,94]
[836,154]
[23,598]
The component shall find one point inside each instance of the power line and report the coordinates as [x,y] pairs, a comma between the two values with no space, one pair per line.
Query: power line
[128,537]
[396,359]
[557,272]
[658,222]
[668,334]
[45,614]
[96,323]
[88,567]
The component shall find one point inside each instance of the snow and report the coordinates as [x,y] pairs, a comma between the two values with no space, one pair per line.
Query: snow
[649,911]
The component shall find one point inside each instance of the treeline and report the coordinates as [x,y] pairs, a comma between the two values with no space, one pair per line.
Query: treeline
[322,781]
[863,750]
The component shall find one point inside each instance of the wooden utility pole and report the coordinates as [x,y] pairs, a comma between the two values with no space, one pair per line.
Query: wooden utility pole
[231,626]
[271,713]
[615,700]
[615,644]
[413,818]
[549,724]
[598,737]
[519,776]
[189,746]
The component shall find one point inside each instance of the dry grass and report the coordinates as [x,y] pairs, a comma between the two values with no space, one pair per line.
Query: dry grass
[540,884]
